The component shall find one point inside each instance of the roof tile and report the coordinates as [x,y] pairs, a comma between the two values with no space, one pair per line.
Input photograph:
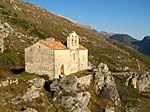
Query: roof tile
[57,45]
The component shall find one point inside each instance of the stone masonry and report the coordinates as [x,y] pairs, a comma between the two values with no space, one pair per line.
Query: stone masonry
[52,58]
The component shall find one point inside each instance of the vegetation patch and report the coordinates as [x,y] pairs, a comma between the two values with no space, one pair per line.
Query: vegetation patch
[11,60]
[25,76]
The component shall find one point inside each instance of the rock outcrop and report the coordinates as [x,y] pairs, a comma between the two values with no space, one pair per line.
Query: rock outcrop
[144,82]
[32,92]
[140,81]
[67,84]
[69,95]
[104,83]
[7,31]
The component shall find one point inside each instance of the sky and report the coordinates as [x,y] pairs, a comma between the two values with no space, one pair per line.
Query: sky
[119,16]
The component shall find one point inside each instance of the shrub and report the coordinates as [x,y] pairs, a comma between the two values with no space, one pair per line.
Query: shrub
[21,23]
[35,32]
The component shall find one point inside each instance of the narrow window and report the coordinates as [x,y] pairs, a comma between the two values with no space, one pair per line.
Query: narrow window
[72,41]
[75,41]
[74,56]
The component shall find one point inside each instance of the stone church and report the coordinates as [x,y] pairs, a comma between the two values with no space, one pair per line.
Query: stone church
[52,58]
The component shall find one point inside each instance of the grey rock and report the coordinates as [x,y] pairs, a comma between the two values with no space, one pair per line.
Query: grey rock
[140,81]
[144,82]
[5,83]
[76,103]
[37,82]
[30,110]
[68,95]
[67,84]
[104,83]
[55,85]
[33,91]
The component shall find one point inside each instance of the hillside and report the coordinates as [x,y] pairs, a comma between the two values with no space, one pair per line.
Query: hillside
[141,46]
[30,23]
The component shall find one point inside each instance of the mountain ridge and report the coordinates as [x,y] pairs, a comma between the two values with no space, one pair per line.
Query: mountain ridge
[141,46]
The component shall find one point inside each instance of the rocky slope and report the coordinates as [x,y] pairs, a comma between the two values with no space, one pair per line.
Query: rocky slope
[117,92]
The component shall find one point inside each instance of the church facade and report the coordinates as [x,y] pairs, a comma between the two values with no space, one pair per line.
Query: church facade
[53,58]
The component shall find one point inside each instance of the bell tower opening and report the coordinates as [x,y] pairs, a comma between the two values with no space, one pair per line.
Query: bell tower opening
[73,41]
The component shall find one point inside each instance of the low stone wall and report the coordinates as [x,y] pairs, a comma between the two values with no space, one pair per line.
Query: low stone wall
[8,82]
[86,80]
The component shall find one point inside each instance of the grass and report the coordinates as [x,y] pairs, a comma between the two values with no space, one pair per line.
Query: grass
[11,60]
[97,102]
[128,94]
[137,55]
[25,76]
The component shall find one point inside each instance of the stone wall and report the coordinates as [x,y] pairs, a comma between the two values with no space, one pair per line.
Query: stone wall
[83,59]
[43,60]
[62,57]
[71,64]
[86,80]
[65,58]
[39,59]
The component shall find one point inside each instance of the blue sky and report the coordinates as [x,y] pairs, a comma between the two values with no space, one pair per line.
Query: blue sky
[120,16]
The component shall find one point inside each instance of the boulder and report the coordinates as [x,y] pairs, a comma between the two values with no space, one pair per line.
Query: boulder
[68,95]
[67,84]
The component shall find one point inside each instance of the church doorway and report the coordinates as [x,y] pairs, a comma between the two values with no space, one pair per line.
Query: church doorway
[62,69]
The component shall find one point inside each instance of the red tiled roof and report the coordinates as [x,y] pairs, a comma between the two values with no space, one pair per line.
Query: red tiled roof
[58,45]
[82,47]
[54,45]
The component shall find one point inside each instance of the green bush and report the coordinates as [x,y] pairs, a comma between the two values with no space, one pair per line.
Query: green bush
[35,32]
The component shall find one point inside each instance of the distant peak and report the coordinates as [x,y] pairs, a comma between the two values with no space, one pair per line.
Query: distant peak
[146,38]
